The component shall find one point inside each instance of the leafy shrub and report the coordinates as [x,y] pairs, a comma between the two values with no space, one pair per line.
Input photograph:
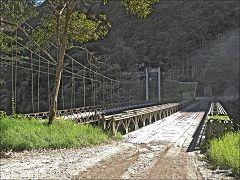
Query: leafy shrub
[225,151]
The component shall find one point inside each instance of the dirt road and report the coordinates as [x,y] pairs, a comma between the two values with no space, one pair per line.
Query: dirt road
[160,150]
[156,151]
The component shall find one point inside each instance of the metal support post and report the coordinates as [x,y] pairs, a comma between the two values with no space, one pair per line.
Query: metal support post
[159,85]
[147,95]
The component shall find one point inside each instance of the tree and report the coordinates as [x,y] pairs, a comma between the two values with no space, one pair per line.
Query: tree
[69,23]
[141,8]
[12,15]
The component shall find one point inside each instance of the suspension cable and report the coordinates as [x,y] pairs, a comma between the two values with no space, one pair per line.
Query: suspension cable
[13,99]
[76,75]
[16,72]
[111,92]
[65,68]
[72,88]
[32,84]
[38,90]
[43,58]
[76,60]
[103,91]
[48,88]
[118,90]
[63,105]
[93,94]
[84,90]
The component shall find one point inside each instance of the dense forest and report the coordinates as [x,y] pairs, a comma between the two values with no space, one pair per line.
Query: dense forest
[175,37]
[171,34]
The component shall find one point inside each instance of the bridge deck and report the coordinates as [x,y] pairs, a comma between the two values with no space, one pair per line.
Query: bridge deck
[177,129]
[131,120]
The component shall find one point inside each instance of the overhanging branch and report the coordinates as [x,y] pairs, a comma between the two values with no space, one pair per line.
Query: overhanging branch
[25,33]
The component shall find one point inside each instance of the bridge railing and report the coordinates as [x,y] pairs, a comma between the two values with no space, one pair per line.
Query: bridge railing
[131,120]
[90,113]
[96,113]
[217,122]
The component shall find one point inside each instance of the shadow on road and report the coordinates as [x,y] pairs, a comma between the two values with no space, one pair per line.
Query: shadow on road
[197,136]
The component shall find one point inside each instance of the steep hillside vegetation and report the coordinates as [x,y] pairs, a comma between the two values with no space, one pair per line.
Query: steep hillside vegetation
[221,70]
[222,63]
[173,36]
[173,32]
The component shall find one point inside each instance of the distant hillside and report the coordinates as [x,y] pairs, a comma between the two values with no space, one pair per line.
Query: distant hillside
[222,63]
[174,31]
[221,70]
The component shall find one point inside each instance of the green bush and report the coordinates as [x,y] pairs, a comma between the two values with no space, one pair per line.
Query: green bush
[20,133]
[225,151]
[219,117]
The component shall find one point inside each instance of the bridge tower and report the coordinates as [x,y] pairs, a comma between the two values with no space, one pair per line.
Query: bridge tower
[153,70]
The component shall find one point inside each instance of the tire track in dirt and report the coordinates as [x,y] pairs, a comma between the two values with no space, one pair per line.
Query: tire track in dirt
[145,162]
[110,169]
[132,164]
[176,163]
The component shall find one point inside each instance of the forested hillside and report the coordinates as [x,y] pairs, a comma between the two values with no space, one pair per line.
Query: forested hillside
[172,37]
[221,71]
[169,35]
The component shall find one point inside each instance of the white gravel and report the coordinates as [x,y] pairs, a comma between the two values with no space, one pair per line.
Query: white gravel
[58,164]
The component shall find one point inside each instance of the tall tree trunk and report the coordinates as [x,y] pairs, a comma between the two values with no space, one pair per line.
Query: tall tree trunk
[59,69]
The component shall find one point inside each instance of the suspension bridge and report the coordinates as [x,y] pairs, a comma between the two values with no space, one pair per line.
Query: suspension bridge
[81,86]
[86,95]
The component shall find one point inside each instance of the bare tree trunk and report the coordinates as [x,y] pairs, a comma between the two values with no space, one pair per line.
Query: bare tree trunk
[59,69]
[54,96]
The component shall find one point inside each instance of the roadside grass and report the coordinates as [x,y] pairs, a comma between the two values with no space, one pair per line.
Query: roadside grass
[225,151]
[20,134]
[219,117]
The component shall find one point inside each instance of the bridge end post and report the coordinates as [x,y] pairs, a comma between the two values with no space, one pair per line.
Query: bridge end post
[102,122]
[147,85]
[144,121]
[136,124]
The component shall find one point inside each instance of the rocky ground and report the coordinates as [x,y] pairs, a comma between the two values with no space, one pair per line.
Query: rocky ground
[157,151]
